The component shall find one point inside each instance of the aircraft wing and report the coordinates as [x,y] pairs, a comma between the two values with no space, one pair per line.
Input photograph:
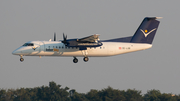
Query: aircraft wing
[92,38]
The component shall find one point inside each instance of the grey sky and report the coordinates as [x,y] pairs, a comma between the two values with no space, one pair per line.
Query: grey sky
[155,68]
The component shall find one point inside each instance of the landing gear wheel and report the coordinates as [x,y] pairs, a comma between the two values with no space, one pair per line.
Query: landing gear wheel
[75,60]
[86,59]
[21,59]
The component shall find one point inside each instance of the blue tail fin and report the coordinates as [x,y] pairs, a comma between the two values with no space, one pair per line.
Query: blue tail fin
[146,31]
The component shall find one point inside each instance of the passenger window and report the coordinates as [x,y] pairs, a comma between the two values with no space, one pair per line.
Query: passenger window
[56,47]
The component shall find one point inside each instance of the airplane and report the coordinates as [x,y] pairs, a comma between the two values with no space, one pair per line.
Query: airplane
[91,46]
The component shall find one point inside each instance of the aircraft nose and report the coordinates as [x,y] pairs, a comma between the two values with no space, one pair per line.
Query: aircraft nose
[16,52]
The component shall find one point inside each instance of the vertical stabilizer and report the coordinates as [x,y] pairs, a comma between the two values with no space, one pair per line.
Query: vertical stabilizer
[146,31]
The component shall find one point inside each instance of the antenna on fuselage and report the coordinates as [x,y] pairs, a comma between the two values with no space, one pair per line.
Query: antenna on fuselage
[54,36]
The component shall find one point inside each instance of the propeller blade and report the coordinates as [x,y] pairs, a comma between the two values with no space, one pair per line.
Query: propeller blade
[64,37]
[65,40]
[54,36]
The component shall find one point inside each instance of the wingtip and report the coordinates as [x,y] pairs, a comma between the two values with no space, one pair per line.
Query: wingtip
[154,17]
[159,17]
[97,34]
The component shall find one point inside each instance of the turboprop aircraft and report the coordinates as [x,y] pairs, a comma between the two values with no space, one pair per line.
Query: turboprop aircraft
[91,46]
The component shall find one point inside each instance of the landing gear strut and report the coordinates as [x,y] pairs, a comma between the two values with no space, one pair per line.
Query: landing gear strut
[21,58]
[75,60]
[86,59]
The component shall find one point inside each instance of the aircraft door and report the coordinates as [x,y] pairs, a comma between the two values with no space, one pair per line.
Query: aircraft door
[35,48]
[41,46]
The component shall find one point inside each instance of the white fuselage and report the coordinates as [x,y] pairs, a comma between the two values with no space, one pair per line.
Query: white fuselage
[57,48]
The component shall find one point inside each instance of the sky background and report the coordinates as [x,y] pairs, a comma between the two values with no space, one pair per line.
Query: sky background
[156,68]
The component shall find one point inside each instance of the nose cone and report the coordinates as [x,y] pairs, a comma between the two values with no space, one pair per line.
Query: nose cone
[16,52]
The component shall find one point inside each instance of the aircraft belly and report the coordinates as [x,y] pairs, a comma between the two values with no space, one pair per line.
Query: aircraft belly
[89,53]
[98,53]
[58,53]
[75,53]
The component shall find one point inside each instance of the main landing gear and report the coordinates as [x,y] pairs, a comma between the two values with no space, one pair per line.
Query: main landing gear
[21,58]
[75,60]
[86,59]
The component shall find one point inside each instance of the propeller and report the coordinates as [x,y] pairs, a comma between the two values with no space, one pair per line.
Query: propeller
[54,36]
[65,38]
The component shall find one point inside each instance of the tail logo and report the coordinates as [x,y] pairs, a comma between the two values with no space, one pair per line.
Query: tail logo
[146,33]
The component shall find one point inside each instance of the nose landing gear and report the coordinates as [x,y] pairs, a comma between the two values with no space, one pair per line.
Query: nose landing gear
[21,58]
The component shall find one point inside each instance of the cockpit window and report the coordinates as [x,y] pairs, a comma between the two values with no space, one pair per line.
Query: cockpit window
[28,44]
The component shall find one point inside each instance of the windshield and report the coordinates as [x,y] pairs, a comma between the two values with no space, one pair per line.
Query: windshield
[28,44]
